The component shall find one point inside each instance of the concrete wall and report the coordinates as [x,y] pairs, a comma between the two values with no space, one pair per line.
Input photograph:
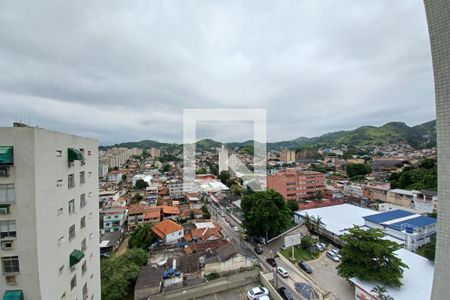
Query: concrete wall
[438,14]
[215,286]
[237,262]
[265,282]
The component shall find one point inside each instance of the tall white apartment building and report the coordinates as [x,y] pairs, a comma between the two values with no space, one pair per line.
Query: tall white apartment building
[49,219]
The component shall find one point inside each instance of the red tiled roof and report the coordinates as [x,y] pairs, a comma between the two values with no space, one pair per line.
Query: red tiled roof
[136,209]
[165,227]
[152,213]
[187,213]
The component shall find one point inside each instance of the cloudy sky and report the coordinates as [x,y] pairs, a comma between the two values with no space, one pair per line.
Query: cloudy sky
[125,70]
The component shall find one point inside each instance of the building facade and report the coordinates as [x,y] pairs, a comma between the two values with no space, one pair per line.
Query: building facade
[294,184]
[438,12]
[49,221]
[287,156]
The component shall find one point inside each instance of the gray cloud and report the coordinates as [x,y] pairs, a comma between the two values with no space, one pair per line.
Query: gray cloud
[125,70]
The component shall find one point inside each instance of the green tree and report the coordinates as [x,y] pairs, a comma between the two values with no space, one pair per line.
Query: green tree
[428,250]
[137,256]
[166,168]
[368,256]
[206,214]
[136,198]
[140,184]
[224,177]
[307,242]
[292,205]
[142,237]
[117,273]
[265,213]
[357,169]
[380,292]
[307,221]
[317,224]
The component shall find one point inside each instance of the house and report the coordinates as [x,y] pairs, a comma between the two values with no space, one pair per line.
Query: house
[417,280]
[400,197]
[152,215]
[113,219]
[109,242]
[425,201]
[168,231]
[149,282]
[376,191]
[227,259]
[136,215]
[196,213]
[115,176]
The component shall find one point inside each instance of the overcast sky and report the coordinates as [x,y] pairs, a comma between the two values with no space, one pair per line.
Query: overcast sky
[125,70]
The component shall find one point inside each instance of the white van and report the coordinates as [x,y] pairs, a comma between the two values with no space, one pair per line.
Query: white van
[282,272]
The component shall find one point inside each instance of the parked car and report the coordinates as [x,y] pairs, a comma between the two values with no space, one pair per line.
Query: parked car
[235,228]
[284,293]
[333,257]
[305,267]
[320,246]
[336,252]
[257,292]
[222,214]
[258,250]
[244,237]
[271,261]
[282,272]
[226,220]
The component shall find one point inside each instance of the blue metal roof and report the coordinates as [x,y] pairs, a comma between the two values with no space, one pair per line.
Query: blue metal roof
[420,221]
[387,216]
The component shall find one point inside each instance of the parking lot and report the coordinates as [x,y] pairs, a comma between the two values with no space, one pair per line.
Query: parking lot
[237,293]
[325,275]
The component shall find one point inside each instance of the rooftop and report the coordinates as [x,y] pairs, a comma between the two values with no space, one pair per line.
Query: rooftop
[338,218]
[387,216]
[166,227]
[417,280]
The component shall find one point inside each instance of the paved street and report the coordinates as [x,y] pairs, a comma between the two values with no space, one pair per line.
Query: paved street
[237,293]
[325,275]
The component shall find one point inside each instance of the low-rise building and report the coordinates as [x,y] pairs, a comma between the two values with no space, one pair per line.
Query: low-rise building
[417,280]
[168,231]
[425,200]
[113,219]
[115,176]
[376,191]
[400,197]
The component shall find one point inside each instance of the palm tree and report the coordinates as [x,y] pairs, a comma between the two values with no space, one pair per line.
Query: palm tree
[317,224]
[380,292]
[307,220]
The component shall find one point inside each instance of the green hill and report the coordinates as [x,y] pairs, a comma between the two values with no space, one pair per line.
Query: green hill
[419,136]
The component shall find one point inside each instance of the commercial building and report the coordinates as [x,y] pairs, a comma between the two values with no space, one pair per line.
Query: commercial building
[414,229]
[406,228]
[296,184]
[287,156]
[417,280]
[49,217]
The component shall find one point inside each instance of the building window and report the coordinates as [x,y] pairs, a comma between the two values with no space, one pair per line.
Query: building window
[82,177]
[83,222]
[89,152]
[71,181]
[73,282]
[58,153]
[82,200]
[84,268]
[8,229]
[85,291]
[83,245]
[10,264]
[71,232]
[60,211]
[7,193]
[72,206]
[59,182]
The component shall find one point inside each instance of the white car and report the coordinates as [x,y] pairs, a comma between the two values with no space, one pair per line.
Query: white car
[333,256]
[257,293]
[282,272]
[235,228]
